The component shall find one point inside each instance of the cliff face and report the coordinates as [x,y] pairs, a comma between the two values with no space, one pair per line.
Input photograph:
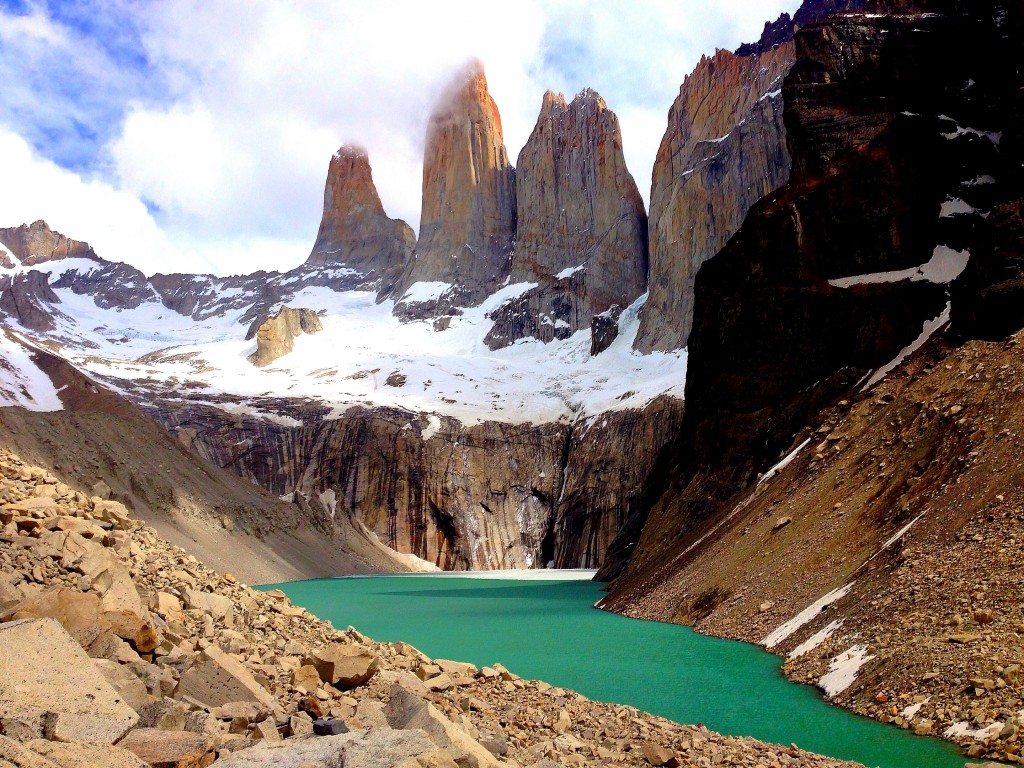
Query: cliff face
[582,228]
[468,216]
[724,149]
[848,267]
[355,232]
[487,496]
[36,243]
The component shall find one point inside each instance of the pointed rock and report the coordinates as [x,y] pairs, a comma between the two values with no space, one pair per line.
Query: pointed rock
[355,231]
[582,227]
[468,218]
[275,336]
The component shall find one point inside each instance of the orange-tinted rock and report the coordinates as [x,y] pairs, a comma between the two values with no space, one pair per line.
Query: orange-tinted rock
[582,227]
[468,218]
[37,243]
[725,148]
[275,337]
[355,232]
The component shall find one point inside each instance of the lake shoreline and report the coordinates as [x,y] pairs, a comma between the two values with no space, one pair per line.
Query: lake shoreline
[950,755]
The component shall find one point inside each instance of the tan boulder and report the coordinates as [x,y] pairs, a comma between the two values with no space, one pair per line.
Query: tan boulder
[79,613]
[167,606]
[85,755]
[456,668]
[48,683]
[140,633]
[127,684]
[407,711]
[169,749]
[10,593]
[113,512]
[345,666]
[306,677]
[217,678]
[376,748]
[218,606]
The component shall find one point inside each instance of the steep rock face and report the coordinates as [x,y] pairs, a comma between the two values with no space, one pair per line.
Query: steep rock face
[609,468]
[487,496]
[355,232]
[724,149]
[28,299]
[36,243]
[468,218]
[841,271]
[579,214]
[276,337]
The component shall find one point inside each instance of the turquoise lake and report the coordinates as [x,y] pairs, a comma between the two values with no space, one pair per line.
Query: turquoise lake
[548,630]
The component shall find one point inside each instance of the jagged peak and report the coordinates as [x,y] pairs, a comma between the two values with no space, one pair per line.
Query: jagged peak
[552,102]
[589,95]
[36,243]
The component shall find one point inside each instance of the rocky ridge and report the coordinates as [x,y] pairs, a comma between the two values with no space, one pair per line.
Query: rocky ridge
[891,533]
[724,149]
[194,668]
[581,224]
[814,302]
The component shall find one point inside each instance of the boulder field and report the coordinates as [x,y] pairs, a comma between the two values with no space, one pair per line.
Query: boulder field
[119,649]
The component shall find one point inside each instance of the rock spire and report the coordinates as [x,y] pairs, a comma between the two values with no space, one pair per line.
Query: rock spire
[468,217]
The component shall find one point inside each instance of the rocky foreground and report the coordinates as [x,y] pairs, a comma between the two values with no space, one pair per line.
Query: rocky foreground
[119,649]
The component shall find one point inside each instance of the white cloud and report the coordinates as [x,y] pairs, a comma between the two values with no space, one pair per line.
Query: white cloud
[115,223]
[260,94]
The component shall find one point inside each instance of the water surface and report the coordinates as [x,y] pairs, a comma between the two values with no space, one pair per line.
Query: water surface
[550,631]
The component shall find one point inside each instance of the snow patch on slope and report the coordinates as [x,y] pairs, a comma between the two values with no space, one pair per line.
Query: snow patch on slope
[807,614]
[843,669]
[22,382]
[154,352]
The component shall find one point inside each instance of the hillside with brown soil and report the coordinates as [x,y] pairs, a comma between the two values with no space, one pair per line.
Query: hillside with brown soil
[909,493]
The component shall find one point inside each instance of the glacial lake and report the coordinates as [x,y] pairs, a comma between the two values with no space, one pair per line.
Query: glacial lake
[549,630]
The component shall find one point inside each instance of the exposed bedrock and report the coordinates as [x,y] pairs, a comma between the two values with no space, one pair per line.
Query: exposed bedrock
[582,227]
[36,243]
[833,278]
[355,232]
[487,496]
[468,215]
[724,149]
[276,336]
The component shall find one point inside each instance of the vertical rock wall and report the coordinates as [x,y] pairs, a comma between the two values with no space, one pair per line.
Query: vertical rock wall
[468,217]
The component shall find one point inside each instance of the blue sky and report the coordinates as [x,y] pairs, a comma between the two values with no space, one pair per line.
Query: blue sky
[194,135]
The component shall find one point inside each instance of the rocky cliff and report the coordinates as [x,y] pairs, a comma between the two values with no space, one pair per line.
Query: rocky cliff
[492,495]
[36,243]
[276,337]
[468,216]
[724,149]
[844,271]
[582,227]
[355,232]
